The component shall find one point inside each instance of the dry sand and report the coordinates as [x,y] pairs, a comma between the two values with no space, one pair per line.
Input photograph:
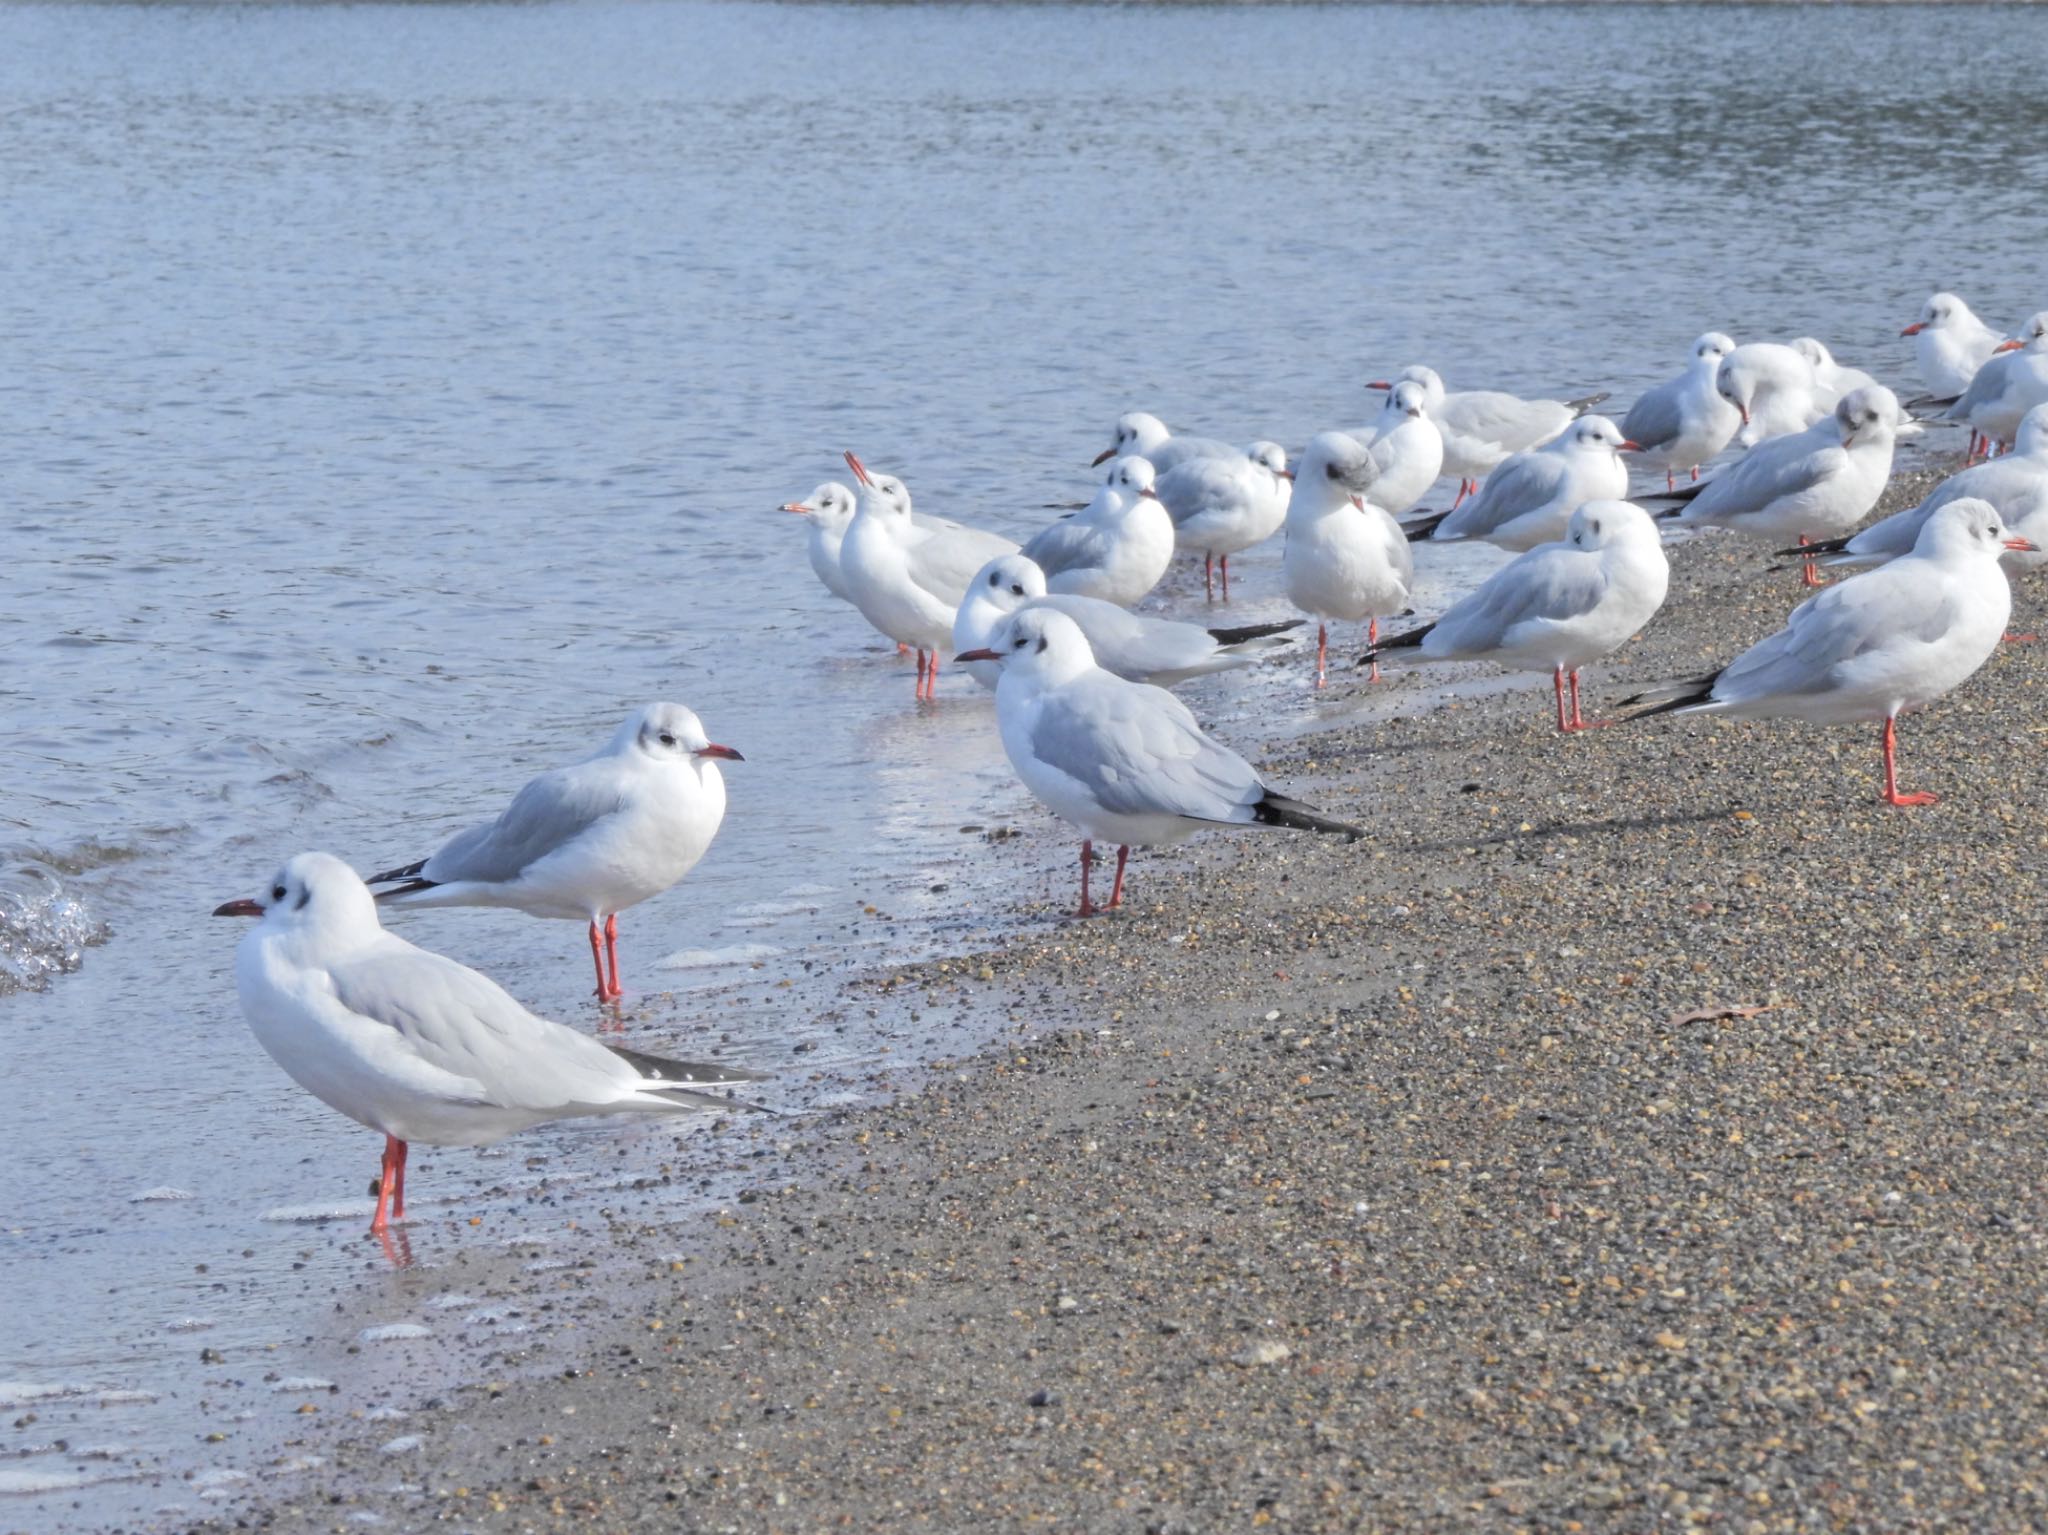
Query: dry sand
[1640,1130]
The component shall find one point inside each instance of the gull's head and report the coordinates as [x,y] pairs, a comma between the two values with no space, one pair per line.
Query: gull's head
[1737,385]
[1337,466]
[1137,434]
[1714,344]
[2031,337]
[1815,353]
[830,506]
[1040,643]
[1007,582]
[1606,524]
[881,495]
[1133,476]
[1270,456]
[1942,309]
[670,733]
[1968,529]
[1867,415]
[312,892]
[2033,432]
[1408,400]
[1597,434]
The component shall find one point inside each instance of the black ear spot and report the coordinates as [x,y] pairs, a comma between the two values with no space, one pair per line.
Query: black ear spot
[1041,644]
[304,896]
[1596,527]
[994,579]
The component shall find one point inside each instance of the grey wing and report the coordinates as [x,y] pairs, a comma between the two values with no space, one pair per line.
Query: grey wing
[1896,534]
[1067,546]
[946,562]
[1986,385]
[1775,467]
[1139,752]
[1836,626]
[1655,418]
[1507,419]
[1521,484]
[1123,642]
[1191,486]
[1552,583]
[461,1022]
[549,813]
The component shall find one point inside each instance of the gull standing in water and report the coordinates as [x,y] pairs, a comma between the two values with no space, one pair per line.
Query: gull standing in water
[1117,549]
[1222,506]
[1818,483]
[413,1045]
[1136,648]
[908,585]
[1881,644]
[585,842]
[1482,427]
[1558,606]
[1346,558]
[829,510]
[1683,422]
[1123,761]
[1529,499]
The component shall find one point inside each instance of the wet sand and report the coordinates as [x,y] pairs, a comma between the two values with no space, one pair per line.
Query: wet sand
[1638,1130]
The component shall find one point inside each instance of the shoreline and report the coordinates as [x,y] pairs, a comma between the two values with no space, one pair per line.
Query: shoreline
[1637,1128]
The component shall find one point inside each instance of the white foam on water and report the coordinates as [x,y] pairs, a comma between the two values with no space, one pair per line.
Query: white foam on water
[189,1324]
[218,1482]
[451,1302]
[125,1398]
[166,1195]
[44,929]
[309,1214]
[302,1383]
[27,1393]
[394,1332]
[717,959]
[26,1483]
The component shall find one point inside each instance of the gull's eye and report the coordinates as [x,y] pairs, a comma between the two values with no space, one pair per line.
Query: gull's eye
[277,892]
[667,738]
[1330,470]
[1020,643]
[1017,589]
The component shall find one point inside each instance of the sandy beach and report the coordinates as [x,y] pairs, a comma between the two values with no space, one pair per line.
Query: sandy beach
[1638,1130]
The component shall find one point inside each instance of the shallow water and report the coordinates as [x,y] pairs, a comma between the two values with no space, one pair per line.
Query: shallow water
[396,396]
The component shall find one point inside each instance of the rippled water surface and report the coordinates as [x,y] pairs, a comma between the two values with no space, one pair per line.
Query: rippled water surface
[391,397]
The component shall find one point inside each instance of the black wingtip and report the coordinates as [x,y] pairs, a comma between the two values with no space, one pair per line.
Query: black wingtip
[1419,531]
[1698,691]
[1586,402]
[1683,493]
[1253,632]
[1279,810]
[1406,641]
[410,887]
[1810,551]
[410,871]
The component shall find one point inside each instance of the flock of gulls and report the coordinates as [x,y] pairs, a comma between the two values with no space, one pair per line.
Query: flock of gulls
[421,1048]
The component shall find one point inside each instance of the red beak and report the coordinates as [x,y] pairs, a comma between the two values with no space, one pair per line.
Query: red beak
[238,909]
[1379,383]
[1285,474]
[1628,446]
[1914,329]
[983,654]
[2008,346]
[2022,546]
[1148,493]
[798,507]
[1102,458]
[860,470]
[1745,414]
[724,753]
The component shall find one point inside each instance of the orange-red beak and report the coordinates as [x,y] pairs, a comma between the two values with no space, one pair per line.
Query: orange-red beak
[1149,494]
[860,470]
[1629,445]
[1285,474]
[2008,346]
[723,753]
[1914,329]
[983,654]
[2022,546]
[1103,457]
[1379,383]
[238,909]
[798,507]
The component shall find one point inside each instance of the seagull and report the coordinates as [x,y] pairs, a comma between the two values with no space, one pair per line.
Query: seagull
[1407,447]
[1683,422]
[1559,605]
[1831,379]
[1118,548]
[1482,427]
[412,1044]
[1884,643]
[1346,558]
[1774,389]
[1222,506]
[1123,761]
[1140,435]
[2015,485]
[830,509]
[1818,483]
[907,586]
[1138,649]
[2007,386]
[587,841]
[1530,498]
[1951,345]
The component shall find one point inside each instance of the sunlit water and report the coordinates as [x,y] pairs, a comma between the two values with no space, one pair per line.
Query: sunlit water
[393,397]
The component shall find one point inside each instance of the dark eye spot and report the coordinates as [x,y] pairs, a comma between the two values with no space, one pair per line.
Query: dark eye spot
[667,739]
[1596,527]
[1020,643]
[277,892]
[304,896]
[1330,470]
[1017,589]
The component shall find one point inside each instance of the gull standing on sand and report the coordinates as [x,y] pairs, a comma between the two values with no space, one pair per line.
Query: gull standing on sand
[1138,649]
[1117,549]
[1529,499]
[1683,422]
[584,842]
[1123,761]
[1950,345]
[1558,606]
[906,585]
[2015,486]
[1141,435]
[1878,645]
[1815,484]
[1407,447]
[1774,389]
[2012,383]
[1482,427]
[1346,558]
[1222,506]
[416,1046]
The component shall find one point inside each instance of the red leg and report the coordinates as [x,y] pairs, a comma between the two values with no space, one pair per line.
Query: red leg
[1892,796]
[390,1185]
[1372,640]
[1459,499]
[902,649]
[1695,474]
[597,957]
[1557,682]
[1087,857]
[1578,721]
[1208,577]
[1811,576]
[1322,651]
[1116,891]
[398,1184]
[611,953]
[1224,565]
[931,678]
